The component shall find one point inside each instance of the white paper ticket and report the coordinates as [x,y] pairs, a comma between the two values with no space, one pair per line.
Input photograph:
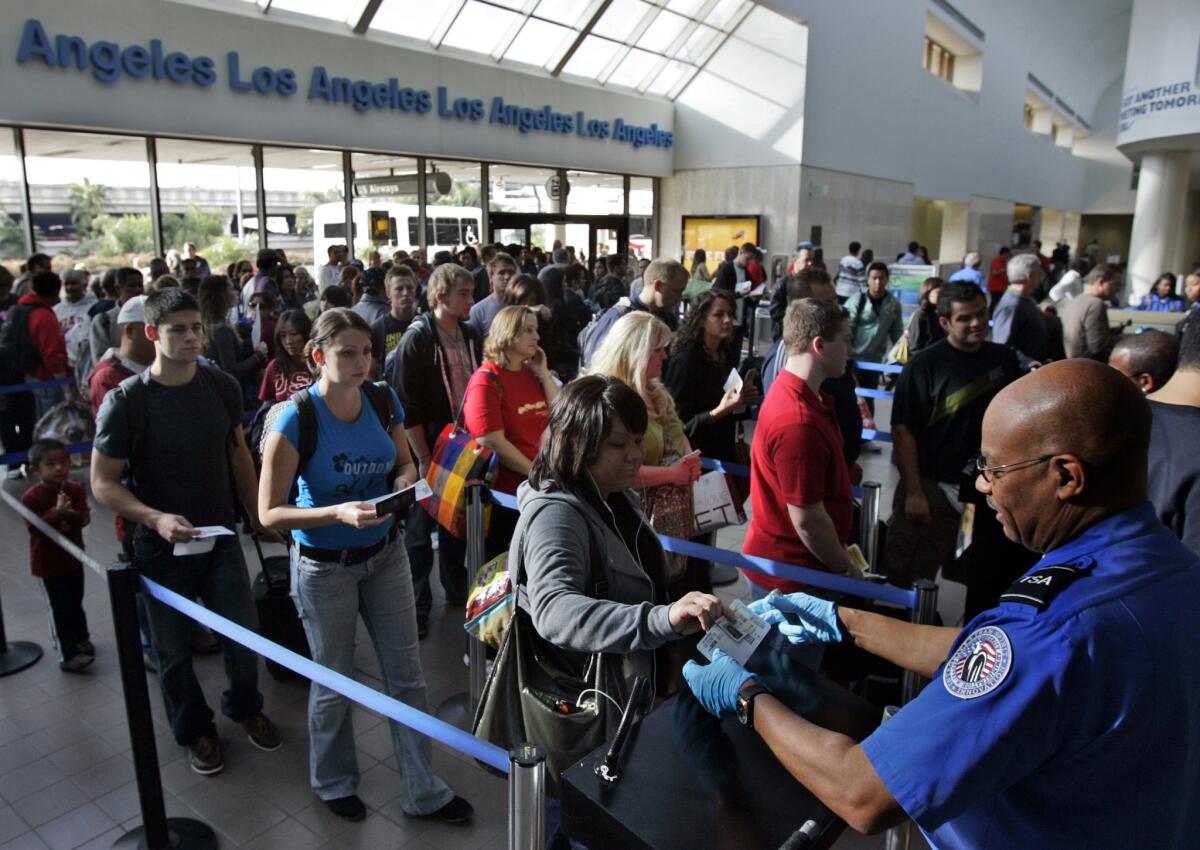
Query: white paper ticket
[738,637]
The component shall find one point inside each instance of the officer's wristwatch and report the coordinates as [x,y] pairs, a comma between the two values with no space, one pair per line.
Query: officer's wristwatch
[745,701]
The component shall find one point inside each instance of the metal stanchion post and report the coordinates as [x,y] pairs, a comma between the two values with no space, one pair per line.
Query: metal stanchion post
[18,655]
[923,614]
[868,524]
[476,650]
[157,832]
[526,797]
[460,708]
[900,837]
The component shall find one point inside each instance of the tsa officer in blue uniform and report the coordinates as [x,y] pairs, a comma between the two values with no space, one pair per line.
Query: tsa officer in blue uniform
[1069,714]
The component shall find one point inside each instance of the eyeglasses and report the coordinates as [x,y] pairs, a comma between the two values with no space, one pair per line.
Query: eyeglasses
[982,468]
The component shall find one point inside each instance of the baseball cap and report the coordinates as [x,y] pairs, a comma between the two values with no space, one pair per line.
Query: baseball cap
[805,244]
[133,311]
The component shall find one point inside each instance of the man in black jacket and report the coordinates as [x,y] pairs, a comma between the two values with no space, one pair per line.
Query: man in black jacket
[434,361]
[779,300]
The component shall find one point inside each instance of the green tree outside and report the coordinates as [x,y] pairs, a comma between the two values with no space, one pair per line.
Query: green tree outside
[86,203]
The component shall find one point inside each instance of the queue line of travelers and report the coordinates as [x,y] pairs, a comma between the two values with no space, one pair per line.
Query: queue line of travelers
[340,356]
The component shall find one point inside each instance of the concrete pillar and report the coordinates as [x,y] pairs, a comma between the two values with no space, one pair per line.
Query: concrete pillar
[1158,218]
[954,232]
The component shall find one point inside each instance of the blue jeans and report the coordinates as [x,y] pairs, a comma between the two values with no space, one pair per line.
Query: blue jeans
[452,558]
[46,397]
[329,598]
[219,579]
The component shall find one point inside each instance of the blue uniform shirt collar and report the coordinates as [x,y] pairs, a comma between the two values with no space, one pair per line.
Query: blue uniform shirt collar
[1126,525]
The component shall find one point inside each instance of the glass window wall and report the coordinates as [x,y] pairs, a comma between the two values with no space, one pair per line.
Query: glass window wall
[523,189]
[90,197]
[305,193]
[207,196]
[593,193]
[386,206]
[12,236]
[91,201]
[641,217]
[454,202]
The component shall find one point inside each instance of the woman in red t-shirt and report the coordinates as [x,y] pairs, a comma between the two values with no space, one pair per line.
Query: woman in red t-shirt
[506,407]
[288,373]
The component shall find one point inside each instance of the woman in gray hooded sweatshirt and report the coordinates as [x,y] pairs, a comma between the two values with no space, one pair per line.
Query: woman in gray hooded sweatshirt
[577,505]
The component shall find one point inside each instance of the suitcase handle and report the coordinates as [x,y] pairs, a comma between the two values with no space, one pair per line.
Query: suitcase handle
[282,584]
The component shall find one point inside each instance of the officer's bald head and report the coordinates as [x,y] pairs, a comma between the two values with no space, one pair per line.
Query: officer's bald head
[1078,407]
[1092,426]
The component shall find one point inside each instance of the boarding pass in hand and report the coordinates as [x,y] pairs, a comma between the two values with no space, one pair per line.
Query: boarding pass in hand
[738,637]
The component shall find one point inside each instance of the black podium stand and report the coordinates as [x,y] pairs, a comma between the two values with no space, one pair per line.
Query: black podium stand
[690,780]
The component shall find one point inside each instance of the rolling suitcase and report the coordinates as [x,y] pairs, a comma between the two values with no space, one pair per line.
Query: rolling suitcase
[277,617]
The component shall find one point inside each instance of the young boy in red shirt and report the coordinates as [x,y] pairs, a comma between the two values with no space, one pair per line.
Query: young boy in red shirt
[62,504]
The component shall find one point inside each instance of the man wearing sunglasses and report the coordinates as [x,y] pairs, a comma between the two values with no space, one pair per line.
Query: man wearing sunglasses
[1066,716]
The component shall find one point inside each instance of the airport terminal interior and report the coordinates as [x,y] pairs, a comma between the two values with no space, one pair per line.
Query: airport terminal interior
[748,140]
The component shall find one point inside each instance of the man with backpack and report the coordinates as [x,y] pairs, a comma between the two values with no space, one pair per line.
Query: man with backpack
[433,364]
[876,324]
[32,348]
[665,281]
[178,428]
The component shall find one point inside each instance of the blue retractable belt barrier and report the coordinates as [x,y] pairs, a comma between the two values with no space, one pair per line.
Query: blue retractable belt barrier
[868,366]
[439,730]
[866,393]
[34,385]
[14,458]
[743,471]
[875,434]
[726,466]
[791,572]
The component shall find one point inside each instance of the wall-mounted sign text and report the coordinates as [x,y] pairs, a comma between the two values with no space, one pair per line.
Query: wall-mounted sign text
[109,62]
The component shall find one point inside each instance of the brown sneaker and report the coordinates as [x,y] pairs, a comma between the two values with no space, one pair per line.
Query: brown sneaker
[262,733]
[204,755]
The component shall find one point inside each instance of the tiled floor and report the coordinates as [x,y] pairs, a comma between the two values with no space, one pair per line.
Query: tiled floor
[66,778]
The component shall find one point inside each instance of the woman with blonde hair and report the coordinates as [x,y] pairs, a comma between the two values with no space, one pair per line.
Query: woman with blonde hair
[634,351]
[348,561]
[506,407]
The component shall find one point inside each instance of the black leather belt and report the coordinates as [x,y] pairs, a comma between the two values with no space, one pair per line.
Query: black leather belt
[349,557]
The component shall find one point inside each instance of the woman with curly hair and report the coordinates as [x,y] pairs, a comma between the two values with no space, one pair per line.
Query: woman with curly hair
[222,344]
[695,373]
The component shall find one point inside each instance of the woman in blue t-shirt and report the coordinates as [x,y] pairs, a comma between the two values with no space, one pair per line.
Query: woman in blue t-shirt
[347,562]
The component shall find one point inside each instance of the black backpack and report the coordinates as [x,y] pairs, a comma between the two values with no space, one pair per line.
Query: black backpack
[587,337]
[379,394]
[18,355]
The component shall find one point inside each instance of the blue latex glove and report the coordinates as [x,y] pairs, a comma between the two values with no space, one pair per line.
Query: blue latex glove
[716,684]
[818,617]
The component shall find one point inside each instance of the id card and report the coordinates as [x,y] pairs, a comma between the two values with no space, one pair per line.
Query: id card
[738,637]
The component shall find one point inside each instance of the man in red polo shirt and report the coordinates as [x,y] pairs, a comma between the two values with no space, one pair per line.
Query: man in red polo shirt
[799,482]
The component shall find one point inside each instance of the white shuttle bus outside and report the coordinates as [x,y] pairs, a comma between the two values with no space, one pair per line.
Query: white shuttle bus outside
[387,227]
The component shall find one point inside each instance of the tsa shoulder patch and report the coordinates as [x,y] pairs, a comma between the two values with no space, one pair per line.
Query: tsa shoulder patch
[979,665]
[1039,588]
